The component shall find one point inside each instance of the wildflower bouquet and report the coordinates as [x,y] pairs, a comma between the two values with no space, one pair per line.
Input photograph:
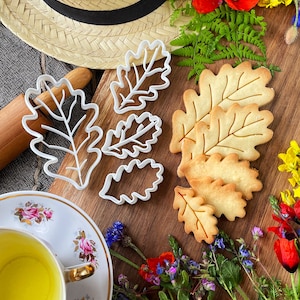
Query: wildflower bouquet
[225,263]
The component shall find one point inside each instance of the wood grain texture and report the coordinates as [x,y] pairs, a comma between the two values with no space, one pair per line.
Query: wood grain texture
[151,222]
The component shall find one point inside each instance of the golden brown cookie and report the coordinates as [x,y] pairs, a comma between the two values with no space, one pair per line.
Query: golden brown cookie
[238,130]
[240,85]
[198,217]
[229,168]
[223,197]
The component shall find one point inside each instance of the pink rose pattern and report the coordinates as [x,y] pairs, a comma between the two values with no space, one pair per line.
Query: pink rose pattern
[86,248]
[33,213]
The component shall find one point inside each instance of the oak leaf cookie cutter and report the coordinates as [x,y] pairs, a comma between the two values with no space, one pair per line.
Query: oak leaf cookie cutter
[118,149]
[44,81]
[135,196]
[124,103]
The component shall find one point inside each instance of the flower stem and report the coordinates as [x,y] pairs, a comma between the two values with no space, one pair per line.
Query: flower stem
[121,257]
[137,250]
[242,293]
[297,12]
[295,293]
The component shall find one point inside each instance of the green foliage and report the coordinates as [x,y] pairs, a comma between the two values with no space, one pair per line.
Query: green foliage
[222,34]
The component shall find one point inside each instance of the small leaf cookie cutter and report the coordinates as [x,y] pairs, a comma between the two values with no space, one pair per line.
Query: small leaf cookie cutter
[128,169]
[59,115]
[124,103]
[118,150]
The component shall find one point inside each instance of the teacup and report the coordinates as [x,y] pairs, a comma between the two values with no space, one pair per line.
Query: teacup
[30,270]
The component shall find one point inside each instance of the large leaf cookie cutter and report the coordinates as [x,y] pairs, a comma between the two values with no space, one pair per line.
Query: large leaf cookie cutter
[124,102]
[135,196]
[146,124]
[45,81]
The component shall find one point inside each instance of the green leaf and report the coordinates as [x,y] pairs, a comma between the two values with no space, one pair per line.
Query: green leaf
[162,295]
[174,245]
[185,279]
[231,273]
[183,295]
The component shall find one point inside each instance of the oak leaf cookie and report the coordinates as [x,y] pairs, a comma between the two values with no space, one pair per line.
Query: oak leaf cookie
[240,85]
[223,197]
[198,217]
[238,130]
[229,168]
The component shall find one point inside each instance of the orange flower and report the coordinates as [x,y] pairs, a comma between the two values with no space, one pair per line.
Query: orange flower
[241,4]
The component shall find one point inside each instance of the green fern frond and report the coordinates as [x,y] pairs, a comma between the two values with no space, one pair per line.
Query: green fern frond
[187,51]
[222,34]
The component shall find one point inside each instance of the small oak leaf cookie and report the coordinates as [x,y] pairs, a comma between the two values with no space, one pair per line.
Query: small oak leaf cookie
[223,197]
[238,130]
[198,217]
[241,85]
[230,169]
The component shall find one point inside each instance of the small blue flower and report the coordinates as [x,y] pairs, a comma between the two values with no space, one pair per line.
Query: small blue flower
[114,233]
[193,267]
[219,242]
[298,21]
[159,269]
[248,263]
[243,251]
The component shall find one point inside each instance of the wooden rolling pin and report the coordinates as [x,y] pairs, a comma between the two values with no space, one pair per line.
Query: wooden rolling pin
[13,137]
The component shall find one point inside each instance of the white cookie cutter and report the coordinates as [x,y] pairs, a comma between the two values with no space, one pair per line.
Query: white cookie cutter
[117,149]
[134,195]
[124,103]
[60,115]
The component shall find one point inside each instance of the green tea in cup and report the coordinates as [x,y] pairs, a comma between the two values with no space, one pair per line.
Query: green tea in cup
[30,271]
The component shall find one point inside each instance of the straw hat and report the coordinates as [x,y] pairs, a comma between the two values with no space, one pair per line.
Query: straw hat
[89,33]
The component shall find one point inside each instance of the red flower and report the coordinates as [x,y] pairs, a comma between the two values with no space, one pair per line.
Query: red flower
[241,4]
[284,230]
[297,209]
[206,6]
[287,211]
[149,271]
[287,254]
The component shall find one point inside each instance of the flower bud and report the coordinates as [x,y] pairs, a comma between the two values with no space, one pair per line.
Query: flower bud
[291,35]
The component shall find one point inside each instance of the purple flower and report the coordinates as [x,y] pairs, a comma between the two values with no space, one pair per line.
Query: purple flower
[256,233]
[114,233]
[172,272]
[208,285]
[122,280]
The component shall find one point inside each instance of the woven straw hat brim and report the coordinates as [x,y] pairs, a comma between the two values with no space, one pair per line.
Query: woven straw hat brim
[81,44]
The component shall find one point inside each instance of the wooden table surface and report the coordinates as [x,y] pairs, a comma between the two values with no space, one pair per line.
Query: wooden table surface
[150,223]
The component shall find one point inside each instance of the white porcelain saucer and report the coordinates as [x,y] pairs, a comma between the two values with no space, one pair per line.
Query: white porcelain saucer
[72,234]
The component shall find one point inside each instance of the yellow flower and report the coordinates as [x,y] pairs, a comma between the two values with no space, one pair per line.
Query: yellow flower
[294,145]
[273,3]
[291,159]
[297,192]
[287,198]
